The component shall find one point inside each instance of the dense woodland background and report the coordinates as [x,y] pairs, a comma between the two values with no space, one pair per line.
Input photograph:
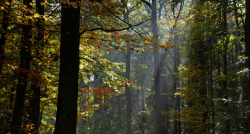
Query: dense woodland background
[129,66]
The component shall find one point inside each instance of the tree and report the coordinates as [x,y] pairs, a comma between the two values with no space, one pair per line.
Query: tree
[35,82]
[66,117]
[127,89]
[5,24]
[23,71]
[247,54]
[157,71]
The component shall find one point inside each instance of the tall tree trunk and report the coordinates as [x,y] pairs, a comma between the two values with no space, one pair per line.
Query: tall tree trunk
[127,90]
[66,118]
[198,59]
[10,108]
[127,75]
[142,99]
[24,70]
[247,54]
[178,116]
[203,86]
[35,83]
[224,56]
[158,127]
[119,112]
[176,80]
[212,125]
[3,38]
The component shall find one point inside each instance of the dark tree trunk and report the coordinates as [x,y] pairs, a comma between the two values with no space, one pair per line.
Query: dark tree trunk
[66,118]
[127,90]
[35,105]
[203,87]
[10,105]
[3,38]
[247,54]
[212,125]
[224,56]
[119,112]
[119,105]
[24,70]
[198,57]
[175,101]
[142,99]
[176,80]
[35,83]
[178,116]
[127,75]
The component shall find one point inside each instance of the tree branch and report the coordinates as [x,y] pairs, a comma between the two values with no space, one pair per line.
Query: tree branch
[111,30]
[147,3]
[131,26]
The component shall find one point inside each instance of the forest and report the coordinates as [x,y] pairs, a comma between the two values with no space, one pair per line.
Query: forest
[124,66]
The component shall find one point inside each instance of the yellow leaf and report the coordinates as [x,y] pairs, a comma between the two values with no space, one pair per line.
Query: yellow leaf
[42,3]
[36,15]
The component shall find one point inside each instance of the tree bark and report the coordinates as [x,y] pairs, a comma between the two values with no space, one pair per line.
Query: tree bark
[127,75]
[24,70]
[36,83]
[176,80]
[212,112]
[198,59]
[247,54]
[224,56]
[158,124]
[5,24]
[127,90]
[66,118]
[158,128]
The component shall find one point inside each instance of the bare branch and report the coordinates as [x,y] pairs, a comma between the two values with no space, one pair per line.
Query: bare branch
[131,26]
[111,30]
[147,3]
